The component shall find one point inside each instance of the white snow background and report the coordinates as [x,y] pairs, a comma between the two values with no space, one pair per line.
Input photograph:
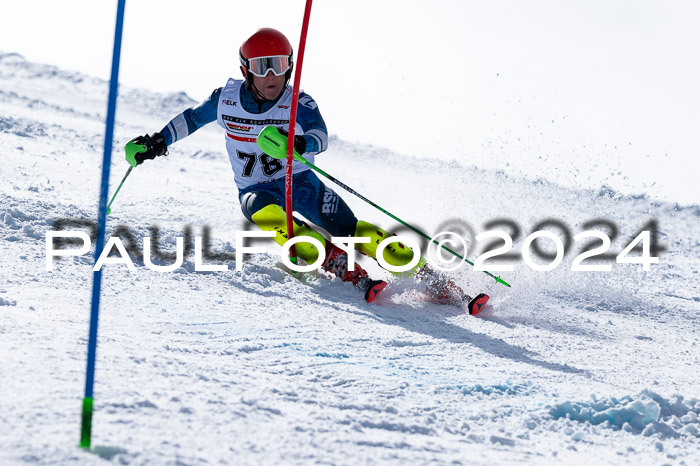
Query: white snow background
[260,367]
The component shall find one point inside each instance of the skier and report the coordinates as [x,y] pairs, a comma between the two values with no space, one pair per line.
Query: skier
[243,108]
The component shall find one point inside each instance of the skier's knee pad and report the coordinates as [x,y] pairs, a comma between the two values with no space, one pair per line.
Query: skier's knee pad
[253,201]
[273,218]
[396,253]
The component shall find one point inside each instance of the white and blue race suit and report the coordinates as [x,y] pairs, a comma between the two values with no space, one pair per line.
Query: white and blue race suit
[259,177]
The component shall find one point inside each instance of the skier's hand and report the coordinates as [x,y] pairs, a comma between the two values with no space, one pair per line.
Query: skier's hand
[299,141]
[145,147]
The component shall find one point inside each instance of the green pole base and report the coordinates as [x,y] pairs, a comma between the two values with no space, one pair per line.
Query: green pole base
[86,426]
[294,260]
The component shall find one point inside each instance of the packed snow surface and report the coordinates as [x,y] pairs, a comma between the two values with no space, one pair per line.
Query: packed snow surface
[260,366]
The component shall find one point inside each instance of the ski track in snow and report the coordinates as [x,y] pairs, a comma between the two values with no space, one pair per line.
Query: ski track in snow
[261,367]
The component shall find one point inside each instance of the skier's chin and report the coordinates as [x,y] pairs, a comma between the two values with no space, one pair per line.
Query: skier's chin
[271,92]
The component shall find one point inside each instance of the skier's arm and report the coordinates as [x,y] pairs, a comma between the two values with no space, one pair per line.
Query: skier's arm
[310,119]
[147,147]
[191,119]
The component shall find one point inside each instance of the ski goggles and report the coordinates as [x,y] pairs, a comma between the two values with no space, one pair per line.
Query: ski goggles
[278,64]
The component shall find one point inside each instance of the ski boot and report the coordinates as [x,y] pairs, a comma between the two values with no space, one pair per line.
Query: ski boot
[336,262]
[273,218]
[442,290]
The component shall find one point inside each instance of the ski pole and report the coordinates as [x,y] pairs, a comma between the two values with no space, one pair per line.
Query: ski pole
[109,210]
[416,230]
[270,142]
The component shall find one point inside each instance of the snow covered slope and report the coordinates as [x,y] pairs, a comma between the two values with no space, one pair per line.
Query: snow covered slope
[259,367]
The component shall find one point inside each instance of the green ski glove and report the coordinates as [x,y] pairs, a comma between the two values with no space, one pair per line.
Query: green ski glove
[145,147]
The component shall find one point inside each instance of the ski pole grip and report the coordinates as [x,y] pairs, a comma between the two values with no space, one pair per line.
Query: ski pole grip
[274,144]
[131,150]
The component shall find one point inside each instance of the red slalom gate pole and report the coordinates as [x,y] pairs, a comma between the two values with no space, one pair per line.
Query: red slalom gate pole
[292,126]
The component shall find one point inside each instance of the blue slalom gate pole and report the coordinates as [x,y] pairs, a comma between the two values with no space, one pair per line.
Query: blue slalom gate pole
[86,425]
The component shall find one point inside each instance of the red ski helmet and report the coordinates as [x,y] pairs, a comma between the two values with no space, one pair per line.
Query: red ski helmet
[266,50]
